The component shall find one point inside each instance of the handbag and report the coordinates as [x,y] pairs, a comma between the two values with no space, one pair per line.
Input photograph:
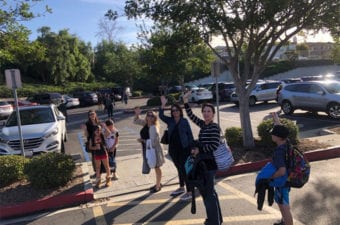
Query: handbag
[165,138]
[223,155]
[150,154]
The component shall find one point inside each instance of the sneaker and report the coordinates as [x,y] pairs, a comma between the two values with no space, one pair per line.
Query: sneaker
[114,177]
[187,196]
[279,223]
[177,191]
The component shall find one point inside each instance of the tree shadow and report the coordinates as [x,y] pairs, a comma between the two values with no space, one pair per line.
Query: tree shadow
[323,199]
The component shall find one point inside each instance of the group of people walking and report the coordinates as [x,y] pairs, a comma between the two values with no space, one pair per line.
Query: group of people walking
[103,140]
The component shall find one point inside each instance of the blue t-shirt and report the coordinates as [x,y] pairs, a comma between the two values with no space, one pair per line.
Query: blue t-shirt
[279,156]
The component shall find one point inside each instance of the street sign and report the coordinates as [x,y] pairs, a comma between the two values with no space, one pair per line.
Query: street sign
[215,68]
[13,78]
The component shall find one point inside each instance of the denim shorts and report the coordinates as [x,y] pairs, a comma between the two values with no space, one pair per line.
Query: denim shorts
[282,195]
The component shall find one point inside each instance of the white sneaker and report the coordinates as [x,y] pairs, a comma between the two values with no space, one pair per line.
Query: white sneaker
[186,197]
[177,191]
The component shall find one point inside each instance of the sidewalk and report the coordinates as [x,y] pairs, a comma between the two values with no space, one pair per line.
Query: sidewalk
[132,181]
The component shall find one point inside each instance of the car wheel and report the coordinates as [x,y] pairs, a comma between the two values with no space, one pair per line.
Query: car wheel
[287,107]
[252,101]
[333,110]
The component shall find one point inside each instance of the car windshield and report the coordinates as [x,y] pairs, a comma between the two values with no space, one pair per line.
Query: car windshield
[333,88]
[31,116]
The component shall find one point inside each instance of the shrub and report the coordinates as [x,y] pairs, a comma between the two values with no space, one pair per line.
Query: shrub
[154,101]
[12,169]
[264,128]
[50,170]
[137,93]
[234,136]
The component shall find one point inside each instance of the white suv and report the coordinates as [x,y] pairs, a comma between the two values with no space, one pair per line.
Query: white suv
[263,91]
[43,130]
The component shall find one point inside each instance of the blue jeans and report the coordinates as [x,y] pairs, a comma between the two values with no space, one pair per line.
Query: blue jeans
[210,200]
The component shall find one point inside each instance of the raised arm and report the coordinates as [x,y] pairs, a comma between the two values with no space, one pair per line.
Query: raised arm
[199,122]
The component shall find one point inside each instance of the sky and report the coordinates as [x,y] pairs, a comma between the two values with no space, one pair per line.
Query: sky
[81,18]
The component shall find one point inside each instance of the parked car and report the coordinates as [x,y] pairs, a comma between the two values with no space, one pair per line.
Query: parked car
[224,89]
[22,103]
[117,95]
[311,96]
[43,130]
[284,82]
[263,91]
[70,101]
[46,98]
[86,98]
[199,95]
[5,109]
[207,86]
[175,89]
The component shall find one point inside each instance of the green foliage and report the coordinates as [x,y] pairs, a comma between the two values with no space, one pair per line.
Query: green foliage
[171,99]
[234,136]
[50,170]
[137,93]
[154,101]
[11,169]
[264,128]
[31,89]
[277,67]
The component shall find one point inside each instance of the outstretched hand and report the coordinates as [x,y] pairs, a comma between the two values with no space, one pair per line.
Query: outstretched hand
[186,97]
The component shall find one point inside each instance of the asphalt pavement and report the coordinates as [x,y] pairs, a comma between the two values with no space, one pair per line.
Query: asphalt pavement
[133,184]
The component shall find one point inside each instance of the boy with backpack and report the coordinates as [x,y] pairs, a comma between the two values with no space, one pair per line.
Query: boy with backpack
[281,194]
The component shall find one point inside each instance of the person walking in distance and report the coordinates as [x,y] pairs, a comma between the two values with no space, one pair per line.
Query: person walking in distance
[180,137]
[209,140]
[109,106]
[111,139]
[151,121]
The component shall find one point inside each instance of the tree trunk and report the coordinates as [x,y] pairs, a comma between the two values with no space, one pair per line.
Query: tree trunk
[247,133]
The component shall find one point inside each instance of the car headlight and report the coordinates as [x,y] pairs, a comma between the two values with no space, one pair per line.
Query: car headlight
[3,140]
[52,133]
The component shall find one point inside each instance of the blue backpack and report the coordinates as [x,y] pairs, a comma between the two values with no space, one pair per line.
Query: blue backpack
[298,167]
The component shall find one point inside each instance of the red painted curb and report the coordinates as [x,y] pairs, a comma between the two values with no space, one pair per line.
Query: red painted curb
[333,152]
[46,203]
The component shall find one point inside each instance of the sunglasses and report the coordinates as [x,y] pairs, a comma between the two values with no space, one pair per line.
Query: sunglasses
[174,110]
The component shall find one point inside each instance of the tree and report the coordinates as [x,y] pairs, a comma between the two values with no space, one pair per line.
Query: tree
[253,31]
[172,56]
[15,48]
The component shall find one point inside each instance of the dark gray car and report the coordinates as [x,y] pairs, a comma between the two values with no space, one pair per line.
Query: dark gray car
[311,96]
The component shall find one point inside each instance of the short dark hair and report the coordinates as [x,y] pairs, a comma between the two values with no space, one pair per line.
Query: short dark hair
[208,105]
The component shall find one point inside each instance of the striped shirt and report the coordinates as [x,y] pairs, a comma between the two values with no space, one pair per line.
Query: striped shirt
[209,135]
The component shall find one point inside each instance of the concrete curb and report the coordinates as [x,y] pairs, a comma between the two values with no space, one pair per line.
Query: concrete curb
[316,155]
[48,203]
